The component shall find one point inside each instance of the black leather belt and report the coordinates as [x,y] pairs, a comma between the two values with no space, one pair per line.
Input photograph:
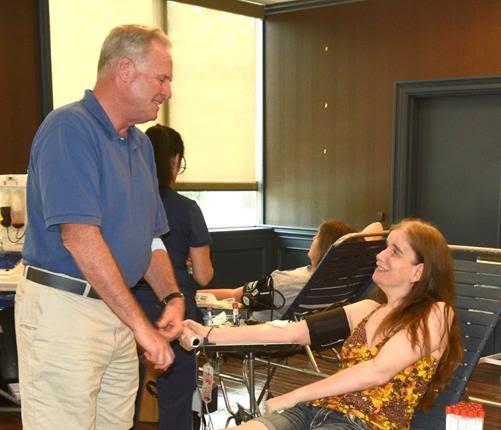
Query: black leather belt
[59,282]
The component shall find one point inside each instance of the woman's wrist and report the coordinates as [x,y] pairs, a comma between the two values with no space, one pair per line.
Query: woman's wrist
[205,340]
[296,396]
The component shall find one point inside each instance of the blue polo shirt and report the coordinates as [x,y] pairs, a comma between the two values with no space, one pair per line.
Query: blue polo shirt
[82,171]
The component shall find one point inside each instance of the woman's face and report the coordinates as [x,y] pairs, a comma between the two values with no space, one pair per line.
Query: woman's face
[314,251]
[396,265]
[175,164]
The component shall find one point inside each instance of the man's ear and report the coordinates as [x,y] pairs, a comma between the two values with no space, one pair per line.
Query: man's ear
[125,68]
[418,272]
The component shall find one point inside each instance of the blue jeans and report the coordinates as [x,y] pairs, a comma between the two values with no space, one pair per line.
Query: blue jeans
[306,417]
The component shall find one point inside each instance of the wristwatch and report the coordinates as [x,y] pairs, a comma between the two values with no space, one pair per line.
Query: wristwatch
[171,296]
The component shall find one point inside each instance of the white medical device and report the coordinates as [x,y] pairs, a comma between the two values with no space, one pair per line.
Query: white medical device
[12,212]
[12,228]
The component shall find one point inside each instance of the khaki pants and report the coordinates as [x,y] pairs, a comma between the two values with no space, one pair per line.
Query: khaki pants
[78,365]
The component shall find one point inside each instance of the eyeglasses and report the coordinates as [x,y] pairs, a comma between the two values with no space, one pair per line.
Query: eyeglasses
[182,166]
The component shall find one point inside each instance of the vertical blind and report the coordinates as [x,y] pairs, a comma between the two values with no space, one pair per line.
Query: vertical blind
[214,92]
[77,31]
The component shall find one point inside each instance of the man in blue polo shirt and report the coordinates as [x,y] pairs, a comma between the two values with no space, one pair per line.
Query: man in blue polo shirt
[94,218]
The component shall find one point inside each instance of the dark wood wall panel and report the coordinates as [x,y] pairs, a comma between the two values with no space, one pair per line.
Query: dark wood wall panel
[20,105]
[371,45]
[240,256]
[291,247]
[245,255]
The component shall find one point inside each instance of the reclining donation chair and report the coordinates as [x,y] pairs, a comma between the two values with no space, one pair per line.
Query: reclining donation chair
[478,302]
[343,276]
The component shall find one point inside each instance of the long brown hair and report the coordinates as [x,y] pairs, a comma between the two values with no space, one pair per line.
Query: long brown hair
[328,232]
[435,285]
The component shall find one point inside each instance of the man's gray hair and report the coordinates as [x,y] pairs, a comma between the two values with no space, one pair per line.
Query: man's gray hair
[133,41]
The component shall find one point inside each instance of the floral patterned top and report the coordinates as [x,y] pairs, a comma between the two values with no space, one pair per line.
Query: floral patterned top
[387,407]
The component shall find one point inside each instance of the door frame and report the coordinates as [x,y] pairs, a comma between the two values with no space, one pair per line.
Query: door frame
[406,95]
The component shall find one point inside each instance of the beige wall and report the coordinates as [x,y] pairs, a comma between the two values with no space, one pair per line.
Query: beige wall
[213,102]
[77,31]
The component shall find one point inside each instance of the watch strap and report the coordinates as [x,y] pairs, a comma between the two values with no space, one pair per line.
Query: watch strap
[174,295]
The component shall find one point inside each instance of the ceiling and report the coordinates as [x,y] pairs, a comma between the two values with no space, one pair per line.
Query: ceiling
[305,2]
[265,2]
[277,6]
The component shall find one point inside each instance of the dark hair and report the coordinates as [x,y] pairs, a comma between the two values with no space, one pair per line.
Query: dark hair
[167,143]
[435,285]
[328,232]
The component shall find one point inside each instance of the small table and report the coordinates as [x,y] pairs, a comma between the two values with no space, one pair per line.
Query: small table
[8,346]
[9,278]
[249,351]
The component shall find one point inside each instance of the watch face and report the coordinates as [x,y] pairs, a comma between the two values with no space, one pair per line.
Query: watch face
[245,300]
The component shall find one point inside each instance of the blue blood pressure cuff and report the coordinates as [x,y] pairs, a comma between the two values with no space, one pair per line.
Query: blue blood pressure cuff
[328,327]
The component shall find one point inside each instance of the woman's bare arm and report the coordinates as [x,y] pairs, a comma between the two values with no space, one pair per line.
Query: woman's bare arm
[225,293]
[293,333]
[396,355]
[201,264]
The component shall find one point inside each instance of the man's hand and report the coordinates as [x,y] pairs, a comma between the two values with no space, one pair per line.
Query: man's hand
[170,323]
[93,256]
[156,349]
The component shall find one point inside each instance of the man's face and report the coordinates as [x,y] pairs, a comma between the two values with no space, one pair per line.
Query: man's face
[151,84]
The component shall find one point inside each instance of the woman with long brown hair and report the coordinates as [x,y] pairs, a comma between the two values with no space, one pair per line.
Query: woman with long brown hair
[399,350]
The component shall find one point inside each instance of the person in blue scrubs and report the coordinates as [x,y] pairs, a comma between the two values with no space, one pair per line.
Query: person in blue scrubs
[188,245]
